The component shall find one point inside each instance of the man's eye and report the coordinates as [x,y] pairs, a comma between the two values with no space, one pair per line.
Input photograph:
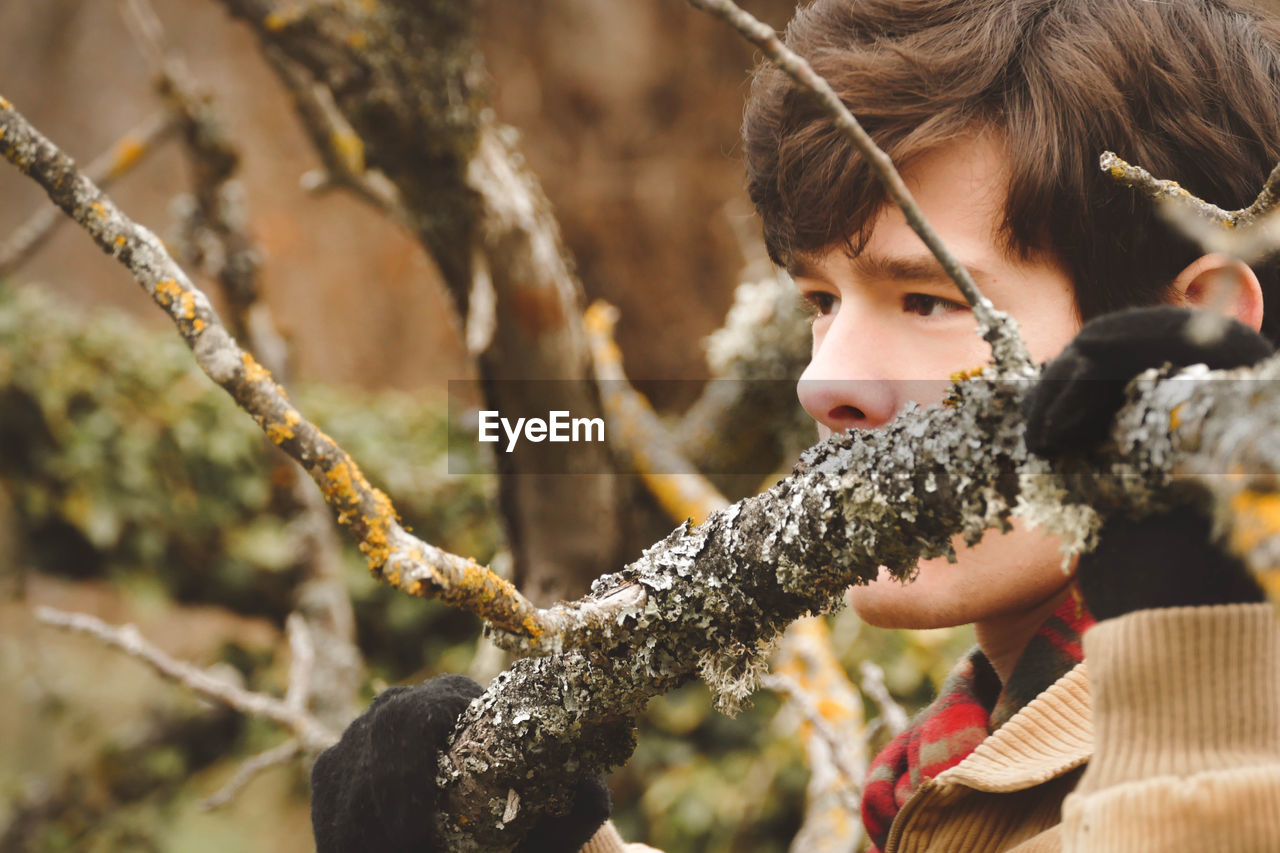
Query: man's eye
[819,303]
[927,305]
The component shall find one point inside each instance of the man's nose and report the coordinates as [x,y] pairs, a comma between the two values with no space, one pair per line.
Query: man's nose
[843,387]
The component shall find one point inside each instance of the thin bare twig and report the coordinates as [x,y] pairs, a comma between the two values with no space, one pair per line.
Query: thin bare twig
[301,662]
[836,743]
[341,149]
[120,159]
[996,327]
[892,717]
[311,734]
[280,754]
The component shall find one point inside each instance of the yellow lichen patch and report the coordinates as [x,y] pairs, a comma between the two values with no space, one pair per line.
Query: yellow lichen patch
[278,19]
[188,305]
[1255,518]
[128,151]
[681,498]
[99,210]
[120,241]
[349,148]
[599,320]
[253,372]
[832,709]
[4,105]
[1270,583]
[968,373]
[1175,417]
[167,291]
[1117,171]
[197,325]
[341,488]
[358,40]
[279,433]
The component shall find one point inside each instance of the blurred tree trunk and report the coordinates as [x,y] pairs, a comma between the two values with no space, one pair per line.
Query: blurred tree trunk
[408,78]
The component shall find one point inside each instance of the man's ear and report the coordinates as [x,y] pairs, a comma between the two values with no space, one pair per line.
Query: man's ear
[1223,284]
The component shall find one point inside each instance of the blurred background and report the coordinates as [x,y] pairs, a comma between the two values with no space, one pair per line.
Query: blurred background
[132,489]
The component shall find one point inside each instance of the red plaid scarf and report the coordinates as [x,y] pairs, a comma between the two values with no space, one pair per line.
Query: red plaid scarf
[970,706]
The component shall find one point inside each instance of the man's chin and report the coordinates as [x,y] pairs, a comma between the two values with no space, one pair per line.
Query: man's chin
[888,603]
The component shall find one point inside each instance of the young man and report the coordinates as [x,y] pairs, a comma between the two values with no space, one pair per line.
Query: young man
[996,112]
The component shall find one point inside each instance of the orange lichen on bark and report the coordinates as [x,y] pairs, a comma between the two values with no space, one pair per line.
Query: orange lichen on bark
[683,496]
[278,19]
[167,291]
[1175,417]
[128,151]
[968,373]
[253,372]
[1255,517]
[99,209]
[280,433]
[495,598]
[197,325]
[599,320]
[188,300]
[349,148]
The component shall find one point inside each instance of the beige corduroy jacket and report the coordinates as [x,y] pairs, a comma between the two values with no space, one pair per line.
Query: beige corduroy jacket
[1167,738]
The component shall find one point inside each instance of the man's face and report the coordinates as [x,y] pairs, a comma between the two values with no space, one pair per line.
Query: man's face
[890,327]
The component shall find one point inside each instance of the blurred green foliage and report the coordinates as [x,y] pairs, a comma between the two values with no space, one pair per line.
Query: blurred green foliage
[121,461]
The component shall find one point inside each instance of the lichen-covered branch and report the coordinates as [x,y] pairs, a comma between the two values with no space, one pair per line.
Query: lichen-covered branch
[805,667]
[311,734]
[394,554]
[715,598]
[1161,190]
[806,670]
[680,488]
[217,237]
[127,152]
[995,326]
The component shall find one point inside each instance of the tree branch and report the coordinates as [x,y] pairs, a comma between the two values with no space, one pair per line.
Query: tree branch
[281,754]
[311,734]
[1250,233]
[127,152]
[995,326]
[679,487]
[394,555]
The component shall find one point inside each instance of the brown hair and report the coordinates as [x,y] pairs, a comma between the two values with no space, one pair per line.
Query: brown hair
[1190,89]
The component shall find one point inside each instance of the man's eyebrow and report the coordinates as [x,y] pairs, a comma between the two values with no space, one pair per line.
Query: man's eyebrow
[922,267]
[905,268]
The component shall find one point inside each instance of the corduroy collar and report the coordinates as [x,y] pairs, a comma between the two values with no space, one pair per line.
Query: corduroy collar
[1050,736]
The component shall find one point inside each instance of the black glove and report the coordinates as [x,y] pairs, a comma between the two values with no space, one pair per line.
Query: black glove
[375,790]
[1165,560]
